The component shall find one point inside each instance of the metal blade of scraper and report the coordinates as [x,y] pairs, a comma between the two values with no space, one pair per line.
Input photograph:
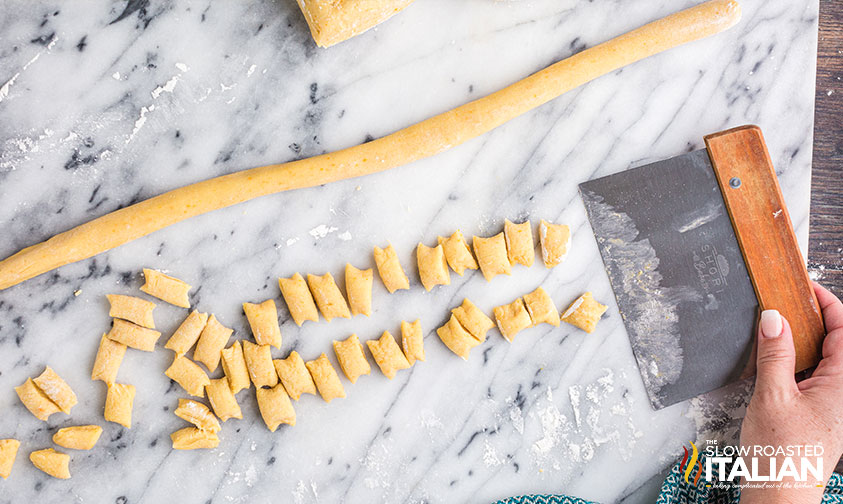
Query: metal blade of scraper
[680,281]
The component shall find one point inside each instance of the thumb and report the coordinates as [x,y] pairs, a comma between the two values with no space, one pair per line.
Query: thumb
[776,356]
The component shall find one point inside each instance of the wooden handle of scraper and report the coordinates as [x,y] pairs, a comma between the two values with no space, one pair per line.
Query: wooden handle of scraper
[418,141]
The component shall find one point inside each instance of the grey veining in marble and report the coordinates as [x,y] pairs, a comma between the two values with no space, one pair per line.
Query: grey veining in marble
[104,103]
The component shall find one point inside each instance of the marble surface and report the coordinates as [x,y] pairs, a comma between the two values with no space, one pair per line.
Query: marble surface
[105,103]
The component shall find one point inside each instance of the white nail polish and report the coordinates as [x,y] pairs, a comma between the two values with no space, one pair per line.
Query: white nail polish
[771,324]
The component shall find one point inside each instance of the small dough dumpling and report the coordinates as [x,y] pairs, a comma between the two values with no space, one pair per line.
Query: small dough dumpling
[56,389]
[36,401]
[512,318]
[119,401]
[456,338]
[457,253]
[433,268]
[541,307]
[298,298]
[584,313]
[294,376]
[51,462]
[520,247]
[351,358]
[259,363]
[263,319]
[326,379]
[473,320]
[191,438]
[188,375]
[107,363]
[8,454]
[166,288]
[491,255]
[328,296]
[555,242]
[412,341]
[188,333]
[275,407]
[78,437]
[222,400]
[133,309]
[198,414]
[133,335]
[211,342]
[333,21]
[234,367]
[358,286]
[390,270]
[388,354]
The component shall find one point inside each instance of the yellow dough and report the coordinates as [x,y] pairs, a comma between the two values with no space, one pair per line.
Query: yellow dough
[191,438]
[351,358]
[263,319]
[211,342]
[188,332]
[457,253]
[275,407]
[235,368]
[412,341]
[298,298]
[491,256]
[541,308]
[418,141]
[133,335]
[198,414]
[259,364]
[358,286]
[36,401]
[107,363]
[328,296]
[166,288]
[390,270]
[555,242]
[131,308]
[520,247]
[456,338]
[188,375]
[51,462]
[388,355]
[473,320]
[326,379]
[118,404]
[8,454]
[433,268]
[512,318]
[333,21]
[294,376]
[584,313]
[222,400]
[56,389]
[79,437]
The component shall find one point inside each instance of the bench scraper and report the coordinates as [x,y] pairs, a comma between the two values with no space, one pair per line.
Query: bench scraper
[694,247]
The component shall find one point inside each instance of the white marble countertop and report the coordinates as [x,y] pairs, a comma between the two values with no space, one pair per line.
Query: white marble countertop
[99,109]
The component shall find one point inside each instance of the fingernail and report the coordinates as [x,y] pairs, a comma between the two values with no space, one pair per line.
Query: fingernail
[771,324]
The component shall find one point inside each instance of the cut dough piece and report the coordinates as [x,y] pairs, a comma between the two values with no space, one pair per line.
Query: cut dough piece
[118,404]
[326,379]
[491,255]
[188,332]
[457,253]
[412,341]
[8,454]
[259,363]
[358,286]
[294,375]
[56,389]
[191,438]
[36,401]
[222,400]
[211,342]
[54,463]
[328,296]
[541,307]
[263,319]
[109,357]
[520,247]
[433,268]
[584,313]
[275,407]
[473,319]
[133,335]
[351,358]
[333,21]
[166,288]
[512,318]
[456,338]
[189,375]
[390,270]
[388,354]
[198,414]
[298,298]
[133,309]
[555,242]
[79,437]
[235,368]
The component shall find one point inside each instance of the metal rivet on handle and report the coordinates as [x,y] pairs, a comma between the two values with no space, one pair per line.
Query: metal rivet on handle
[735,182]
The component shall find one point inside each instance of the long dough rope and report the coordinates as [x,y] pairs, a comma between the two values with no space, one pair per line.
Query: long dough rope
[415,142]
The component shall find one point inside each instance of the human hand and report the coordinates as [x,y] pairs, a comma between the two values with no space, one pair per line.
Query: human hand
[783,412]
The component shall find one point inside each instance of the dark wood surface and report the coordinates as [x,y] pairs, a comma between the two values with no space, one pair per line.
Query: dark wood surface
[825,251]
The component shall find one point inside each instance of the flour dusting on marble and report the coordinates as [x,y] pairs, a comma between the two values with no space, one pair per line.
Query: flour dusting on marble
[321,231]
